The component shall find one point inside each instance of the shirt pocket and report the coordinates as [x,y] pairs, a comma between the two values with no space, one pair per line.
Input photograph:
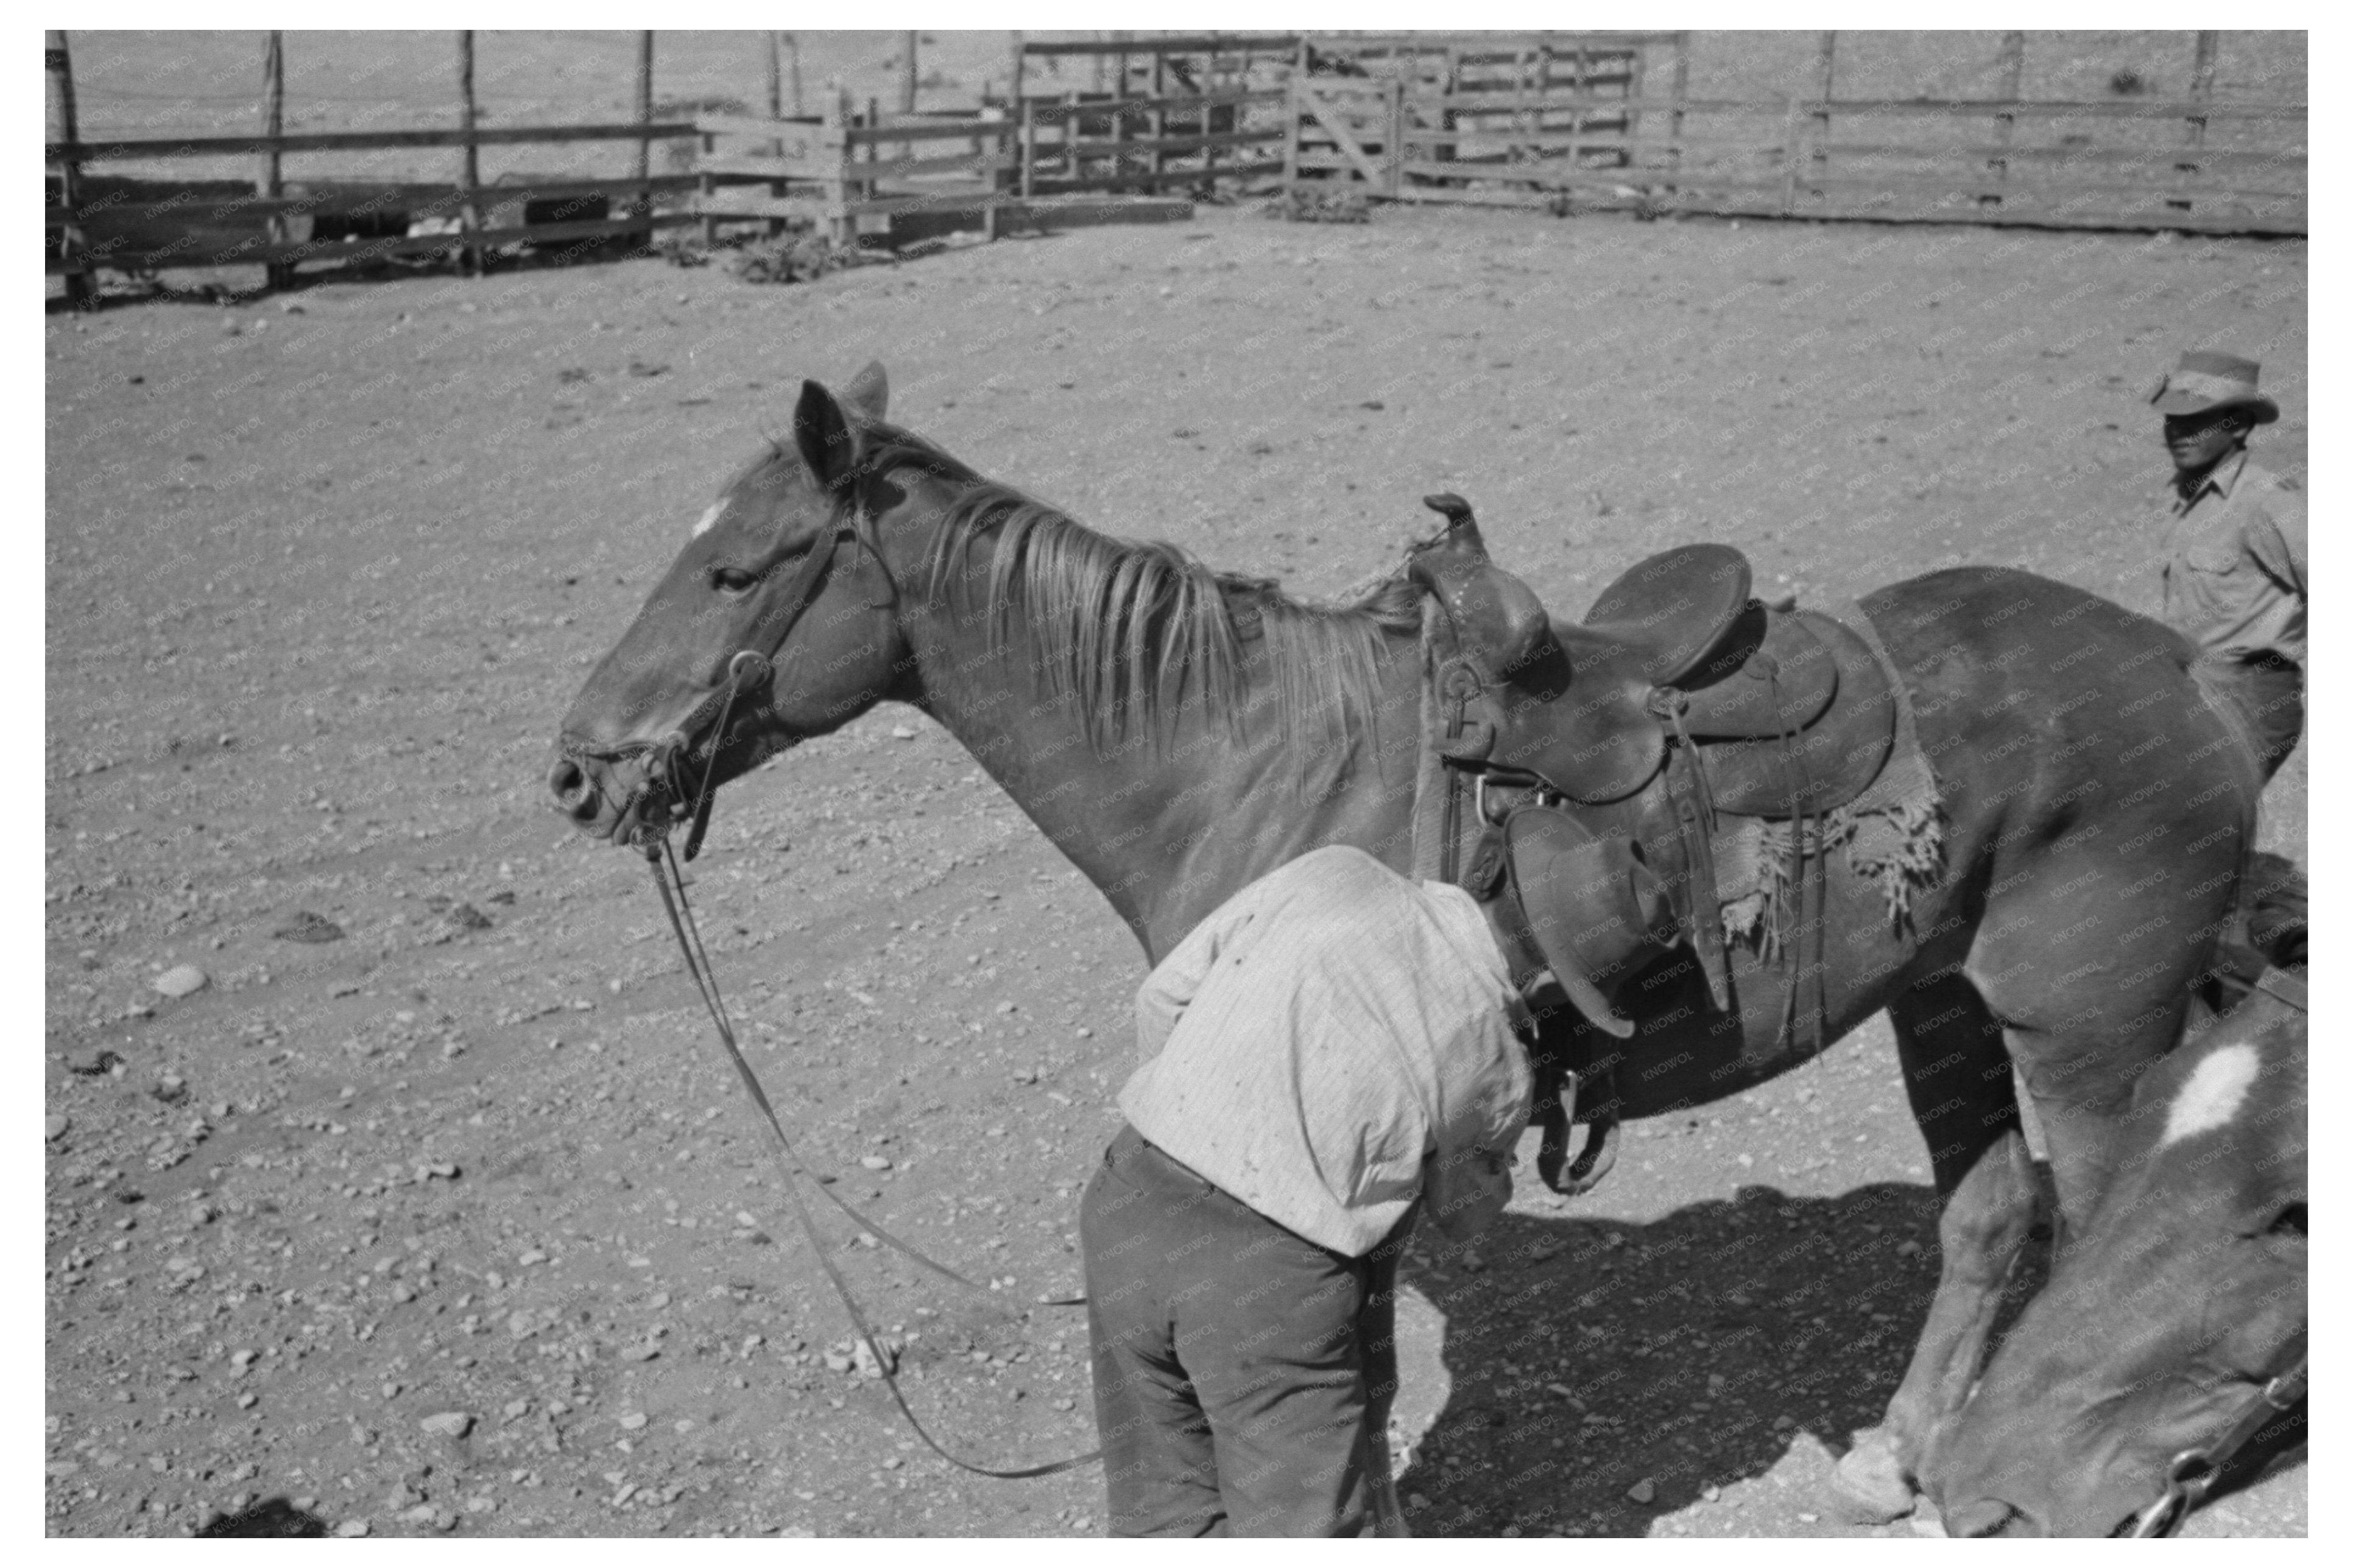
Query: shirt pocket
[2213,557]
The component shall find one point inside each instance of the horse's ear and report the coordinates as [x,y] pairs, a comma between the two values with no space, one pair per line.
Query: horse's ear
[819,429]
[868,391]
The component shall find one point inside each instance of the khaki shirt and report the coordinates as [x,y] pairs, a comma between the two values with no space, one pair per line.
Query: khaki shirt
[1332,1042]
[2234,566]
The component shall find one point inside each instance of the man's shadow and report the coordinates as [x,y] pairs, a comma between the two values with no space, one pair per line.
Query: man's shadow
[1604,1373]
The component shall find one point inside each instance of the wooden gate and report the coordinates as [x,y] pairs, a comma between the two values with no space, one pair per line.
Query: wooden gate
[1357,128]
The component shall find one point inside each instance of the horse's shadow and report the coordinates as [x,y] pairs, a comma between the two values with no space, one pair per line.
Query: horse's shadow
[1605,1373]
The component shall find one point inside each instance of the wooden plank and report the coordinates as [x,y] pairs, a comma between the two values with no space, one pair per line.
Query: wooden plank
[979,165]
[1181,143]
[1183,44]
[1054,109]
[742,203]
[353,142]
[422,245]
[752,125]
[810,168]
[1141,177]
[335,201]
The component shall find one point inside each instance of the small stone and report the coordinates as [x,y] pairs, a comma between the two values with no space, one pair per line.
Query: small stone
[1809,1518]
[447,1423]
[681,1428]
[837,1362]
[901,732]
[308,927]
[871,1162]
[641,1353]
[515,1407]
[531,1257]
[873,1362]
[421,1514]
[352,1528]
[632,1422]
[1642,1491]
[466,916]
[1711,1492]
[660,1300]
[244,1359]
[181,980]
[247,1401]
[56,1127]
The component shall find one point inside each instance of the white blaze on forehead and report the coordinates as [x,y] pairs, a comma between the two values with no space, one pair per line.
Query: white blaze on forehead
[2213,1093]
[702,524]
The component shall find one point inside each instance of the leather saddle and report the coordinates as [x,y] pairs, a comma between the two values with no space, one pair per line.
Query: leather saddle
[1788,713]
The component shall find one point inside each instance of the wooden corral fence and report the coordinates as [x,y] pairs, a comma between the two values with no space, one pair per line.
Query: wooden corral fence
[1161,113]
[1565,120]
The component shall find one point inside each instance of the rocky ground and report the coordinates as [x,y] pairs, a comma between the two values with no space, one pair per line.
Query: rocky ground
[431,1206]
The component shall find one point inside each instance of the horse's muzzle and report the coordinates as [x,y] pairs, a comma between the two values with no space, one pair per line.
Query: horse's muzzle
[578,798]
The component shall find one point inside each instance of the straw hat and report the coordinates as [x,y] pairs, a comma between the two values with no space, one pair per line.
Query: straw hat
[2203,383]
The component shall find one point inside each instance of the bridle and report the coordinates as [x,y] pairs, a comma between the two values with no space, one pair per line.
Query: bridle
[666,783]
[667,792]
[2192,1472]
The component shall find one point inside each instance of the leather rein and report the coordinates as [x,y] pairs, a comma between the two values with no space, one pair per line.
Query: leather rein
[667,781]
[2191,1473]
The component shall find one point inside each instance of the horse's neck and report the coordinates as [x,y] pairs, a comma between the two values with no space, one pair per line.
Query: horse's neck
[1168,824]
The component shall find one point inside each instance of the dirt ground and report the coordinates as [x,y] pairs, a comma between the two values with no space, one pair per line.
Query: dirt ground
[456,1221]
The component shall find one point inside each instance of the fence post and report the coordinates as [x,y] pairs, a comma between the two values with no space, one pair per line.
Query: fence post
[835,138]
[1293,103]
[2014,69]
[1394,134]
[907,77]
[996,144]
[644,205]
[80,286]
[2201,88]
[1820,162]
[1675,118]
[1159,120]
[793,48]
[470,177]
[268,183]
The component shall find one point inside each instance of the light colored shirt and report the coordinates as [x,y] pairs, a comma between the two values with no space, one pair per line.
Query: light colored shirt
[1332,1042]
[2234,567]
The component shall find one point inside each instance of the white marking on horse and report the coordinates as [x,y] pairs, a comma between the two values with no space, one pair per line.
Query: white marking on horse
[702,524]
[2216,1089]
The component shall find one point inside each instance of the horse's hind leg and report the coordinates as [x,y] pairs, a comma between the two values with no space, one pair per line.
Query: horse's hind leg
[1957,1073]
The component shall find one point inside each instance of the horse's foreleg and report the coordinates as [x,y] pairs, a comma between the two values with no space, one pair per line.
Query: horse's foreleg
[1957,1076]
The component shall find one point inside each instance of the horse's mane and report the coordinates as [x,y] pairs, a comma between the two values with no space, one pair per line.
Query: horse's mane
[1137,633]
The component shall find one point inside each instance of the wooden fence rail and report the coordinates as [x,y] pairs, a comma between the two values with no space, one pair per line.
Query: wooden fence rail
[1405,119]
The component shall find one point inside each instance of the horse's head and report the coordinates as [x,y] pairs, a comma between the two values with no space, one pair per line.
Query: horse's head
[782,566]
[2180,1300]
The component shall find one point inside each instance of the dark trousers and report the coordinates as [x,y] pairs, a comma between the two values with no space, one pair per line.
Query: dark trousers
[1243,1375]
[2264,693]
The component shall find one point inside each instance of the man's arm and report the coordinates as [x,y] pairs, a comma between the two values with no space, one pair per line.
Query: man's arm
[1169,989]
[2277,541]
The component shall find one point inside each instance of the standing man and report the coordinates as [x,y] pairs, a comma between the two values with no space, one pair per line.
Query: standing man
[1331,1052]
[2234,567]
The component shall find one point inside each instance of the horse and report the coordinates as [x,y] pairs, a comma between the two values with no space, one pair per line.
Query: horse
[1178,733]
[2171,1332]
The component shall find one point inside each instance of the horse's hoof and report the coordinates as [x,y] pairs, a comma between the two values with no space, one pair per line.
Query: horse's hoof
[1869,1486]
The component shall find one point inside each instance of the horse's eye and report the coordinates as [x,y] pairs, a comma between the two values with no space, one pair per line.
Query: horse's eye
[2289,1221]
[731,579]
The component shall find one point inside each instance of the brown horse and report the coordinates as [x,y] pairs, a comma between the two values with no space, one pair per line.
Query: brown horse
[2182,1298]
[1178,734]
